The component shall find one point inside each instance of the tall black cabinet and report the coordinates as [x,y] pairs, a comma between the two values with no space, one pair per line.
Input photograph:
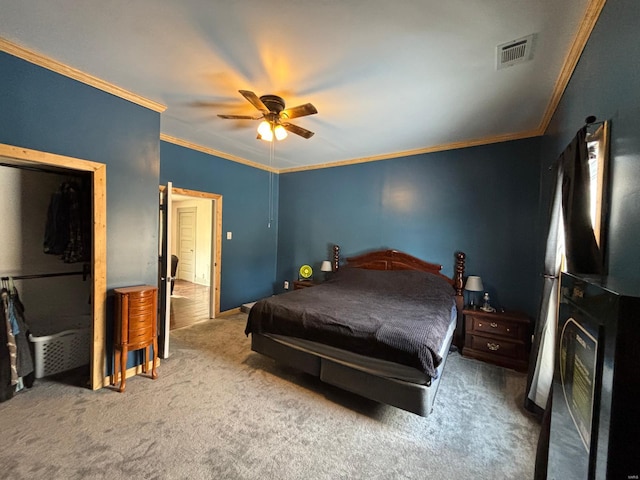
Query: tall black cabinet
[595,416]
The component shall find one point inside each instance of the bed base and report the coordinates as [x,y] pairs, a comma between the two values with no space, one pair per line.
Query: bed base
[412,397]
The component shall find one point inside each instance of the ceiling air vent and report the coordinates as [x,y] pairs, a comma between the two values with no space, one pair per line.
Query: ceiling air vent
[515,51]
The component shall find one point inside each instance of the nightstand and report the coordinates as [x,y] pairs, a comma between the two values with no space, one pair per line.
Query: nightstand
[298,284]
[501,338]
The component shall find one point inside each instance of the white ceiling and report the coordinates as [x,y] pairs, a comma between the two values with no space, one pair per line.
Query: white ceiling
[386,76]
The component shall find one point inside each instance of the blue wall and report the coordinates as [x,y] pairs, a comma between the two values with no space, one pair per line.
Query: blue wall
[606,83]
[46,111]
[482,201]
[248,259]
[411,203]
[43,110]
[488,201]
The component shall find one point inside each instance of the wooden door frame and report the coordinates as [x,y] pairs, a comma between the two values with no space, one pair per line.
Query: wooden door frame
[216,241]
[98,171]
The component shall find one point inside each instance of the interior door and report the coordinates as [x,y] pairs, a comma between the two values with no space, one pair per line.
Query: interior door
[164,276]
[187,243]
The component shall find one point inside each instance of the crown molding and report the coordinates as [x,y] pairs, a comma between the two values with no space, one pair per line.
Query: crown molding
[70,72]
[408,153]
[571,61]
[210,151]
[589,20]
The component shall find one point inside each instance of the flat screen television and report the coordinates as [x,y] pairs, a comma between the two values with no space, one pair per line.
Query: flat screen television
[595,415]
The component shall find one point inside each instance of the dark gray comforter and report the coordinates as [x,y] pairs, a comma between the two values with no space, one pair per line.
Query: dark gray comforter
[401,316]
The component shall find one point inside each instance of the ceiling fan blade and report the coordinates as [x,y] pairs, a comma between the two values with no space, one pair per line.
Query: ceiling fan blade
[241,117]
[254,100]
[303,132]
[299,111]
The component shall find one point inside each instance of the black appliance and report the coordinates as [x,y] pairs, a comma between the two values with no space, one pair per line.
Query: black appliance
[595,415]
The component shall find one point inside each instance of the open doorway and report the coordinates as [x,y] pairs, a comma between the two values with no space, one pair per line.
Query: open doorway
[195,228]
[98,265]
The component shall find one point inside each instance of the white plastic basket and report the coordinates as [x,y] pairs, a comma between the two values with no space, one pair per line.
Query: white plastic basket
[61,351]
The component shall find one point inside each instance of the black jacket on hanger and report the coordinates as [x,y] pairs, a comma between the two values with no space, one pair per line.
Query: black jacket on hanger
[6,389]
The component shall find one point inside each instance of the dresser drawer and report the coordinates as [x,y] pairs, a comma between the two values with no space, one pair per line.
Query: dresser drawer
[494,346]
[140,305]
[140,335]
[501,338]
[141,316]
[141,295]
[495,326]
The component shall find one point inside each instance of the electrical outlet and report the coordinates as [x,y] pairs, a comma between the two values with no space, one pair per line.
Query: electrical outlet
[286,285]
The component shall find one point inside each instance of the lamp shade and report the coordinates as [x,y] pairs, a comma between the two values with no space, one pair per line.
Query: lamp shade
[326,266]
[280,132]
[474,284]
[265,131]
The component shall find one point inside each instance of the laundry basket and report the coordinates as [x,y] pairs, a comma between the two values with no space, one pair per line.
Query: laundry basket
[63,350]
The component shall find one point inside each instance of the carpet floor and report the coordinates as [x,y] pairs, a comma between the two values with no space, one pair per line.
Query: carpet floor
[220,411]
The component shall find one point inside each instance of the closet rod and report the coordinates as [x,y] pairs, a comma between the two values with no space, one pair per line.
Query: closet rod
[85,272]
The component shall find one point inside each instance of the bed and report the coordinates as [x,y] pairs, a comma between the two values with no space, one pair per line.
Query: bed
[381,326]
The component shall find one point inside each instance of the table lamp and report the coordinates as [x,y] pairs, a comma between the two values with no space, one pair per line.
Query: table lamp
[473,286]
[326,267]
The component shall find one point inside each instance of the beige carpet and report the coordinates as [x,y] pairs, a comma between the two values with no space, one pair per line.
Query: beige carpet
[220,411]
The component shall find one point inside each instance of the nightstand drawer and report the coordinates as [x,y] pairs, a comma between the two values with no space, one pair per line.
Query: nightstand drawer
[298,284]
[496,326]
[494,346]
[501,338]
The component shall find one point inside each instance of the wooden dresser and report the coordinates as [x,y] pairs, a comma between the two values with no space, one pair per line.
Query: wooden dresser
[501,338]
[136,327]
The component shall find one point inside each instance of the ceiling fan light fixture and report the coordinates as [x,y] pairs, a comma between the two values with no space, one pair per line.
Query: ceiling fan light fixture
[267,138]
[273,112]
[280,132]
[264,129]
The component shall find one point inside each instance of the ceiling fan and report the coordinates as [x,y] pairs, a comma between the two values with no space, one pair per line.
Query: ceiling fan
[275,116]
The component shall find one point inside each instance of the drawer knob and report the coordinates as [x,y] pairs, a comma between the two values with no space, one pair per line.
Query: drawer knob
[494,325]
[493,346]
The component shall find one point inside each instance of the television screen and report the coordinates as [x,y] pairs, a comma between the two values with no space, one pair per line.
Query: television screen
[577,363]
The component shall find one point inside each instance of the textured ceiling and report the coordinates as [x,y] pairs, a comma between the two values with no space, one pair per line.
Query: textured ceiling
[386,77]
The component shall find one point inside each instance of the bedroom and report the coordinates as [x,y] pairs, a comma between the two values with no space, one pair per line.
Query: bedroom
[494,194]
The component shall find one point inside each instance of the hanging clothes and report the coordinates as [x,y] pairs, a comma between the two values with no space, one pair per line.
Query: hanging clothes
[6,389]
[11,339]
[25,364]
[16,360]
[68,223]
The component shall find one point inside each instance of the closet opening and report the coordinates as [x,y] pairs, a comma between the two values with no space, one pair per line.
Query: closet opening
[53,259]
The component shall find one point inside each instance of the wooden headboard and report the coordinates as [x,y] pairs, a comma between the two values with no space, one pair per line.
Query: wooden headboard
[396,260]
